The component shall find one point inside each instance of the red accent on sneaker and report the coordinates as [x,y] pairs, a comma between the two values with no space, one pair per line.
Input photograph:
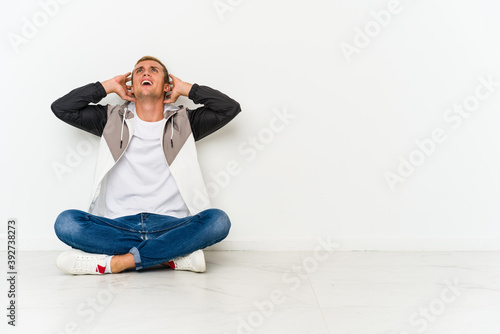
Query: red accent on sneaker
[172,264]
[100,269]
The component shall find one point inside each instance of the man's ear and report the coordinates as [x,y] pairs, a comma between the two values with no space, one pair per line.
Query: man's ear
[166,88]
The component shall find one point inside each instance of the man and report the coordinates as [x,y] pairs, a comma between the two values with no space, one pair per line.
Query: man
[149,204]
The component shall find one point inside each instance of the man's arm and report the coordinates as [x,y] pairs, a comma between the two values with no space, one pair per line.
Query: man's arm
[74,109]
[217,110]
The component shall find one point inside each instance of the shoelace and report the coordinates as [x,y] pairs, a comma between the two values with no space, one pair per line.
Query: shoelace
[86,264]
[184,262]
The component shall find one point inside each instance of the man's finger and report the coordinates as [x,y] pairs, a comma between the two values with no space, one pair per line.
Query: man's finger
[128,98]
[169,100]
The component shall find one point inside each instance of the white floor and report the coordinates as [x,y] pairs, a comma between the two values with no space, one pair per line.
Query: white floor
[268,292]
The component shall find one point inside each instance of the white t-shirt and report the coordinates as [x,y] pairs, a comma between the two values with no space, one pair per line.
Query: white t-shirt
[141,181]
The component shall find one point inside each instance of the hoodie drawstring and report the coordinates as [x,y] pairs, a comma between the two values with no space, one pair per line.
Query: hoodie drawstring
[172,135]
[123,123]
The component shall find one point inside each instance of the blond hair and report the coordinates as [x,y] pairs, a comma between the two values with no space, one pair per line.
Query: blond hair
[166,78]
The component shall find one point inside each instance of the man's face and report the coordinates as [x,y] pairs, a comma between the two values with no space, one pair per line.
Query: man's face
[148,80]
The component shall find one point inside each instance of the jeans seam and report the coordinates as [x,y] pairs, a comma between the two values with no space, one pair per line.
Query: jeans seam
[114,226]
[173,227]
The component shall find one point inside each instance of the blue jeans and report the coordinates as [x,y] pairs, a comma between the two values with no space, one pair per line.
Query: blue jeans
[151,238]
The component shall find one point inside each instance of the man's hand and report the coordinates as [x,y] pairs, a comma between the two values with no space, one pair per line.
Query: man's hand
[180,88]
[119,86]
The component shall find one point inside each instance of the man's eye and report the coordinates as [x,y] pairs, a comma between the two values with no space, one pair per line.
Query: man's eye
[139,70]
[155,70]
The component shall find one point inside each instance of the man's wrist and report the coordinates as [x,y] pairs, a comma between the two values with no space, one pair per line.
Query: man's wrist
[102,91]
[185,89]
[108,86]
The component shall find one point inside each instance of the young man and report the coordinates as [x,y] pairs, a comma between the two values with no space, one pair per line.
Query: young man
[149,204]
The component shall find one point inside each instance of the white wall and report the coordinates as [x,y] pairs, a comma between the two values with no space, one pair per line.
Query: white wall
[348,117]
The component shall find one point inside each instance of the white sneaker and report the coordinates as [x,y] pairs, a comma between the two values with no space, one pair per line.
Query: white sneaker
[192,262]
[77,262]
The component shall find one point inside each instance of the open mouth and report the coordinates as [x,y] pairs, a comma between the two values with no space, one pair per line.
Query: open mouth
[146,82]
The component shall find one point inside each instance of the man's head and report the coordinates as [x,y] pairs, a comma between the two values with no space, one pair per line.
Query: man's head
[150,78]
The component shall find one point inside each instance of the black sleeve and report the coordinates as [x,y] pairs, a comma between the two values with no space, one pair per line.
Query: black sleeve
[217,110]
[74,109]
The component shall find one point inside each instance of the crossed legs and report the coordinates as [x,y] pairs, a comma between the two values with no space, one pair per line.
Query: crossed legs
[141,240]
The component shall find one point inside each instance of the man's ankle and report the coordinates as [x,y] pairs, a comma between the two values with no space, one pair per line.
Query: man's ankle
[120,263]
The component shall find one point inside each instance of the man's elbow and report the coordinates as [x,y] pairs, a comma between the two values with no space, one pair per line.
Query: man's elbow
[236,109]
[56,108]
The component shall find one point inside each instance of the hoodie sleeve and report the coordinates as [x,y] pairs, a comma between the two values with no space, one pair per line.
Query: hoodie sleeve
[74,108]
[217,110]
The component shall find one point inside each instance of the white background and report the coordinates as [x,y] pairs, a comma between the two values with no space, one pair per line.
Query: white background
[323,173]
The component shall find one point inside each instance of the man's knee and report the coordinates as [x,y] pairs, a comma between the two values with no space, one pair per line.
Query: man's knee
[66,223]
[220,221]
